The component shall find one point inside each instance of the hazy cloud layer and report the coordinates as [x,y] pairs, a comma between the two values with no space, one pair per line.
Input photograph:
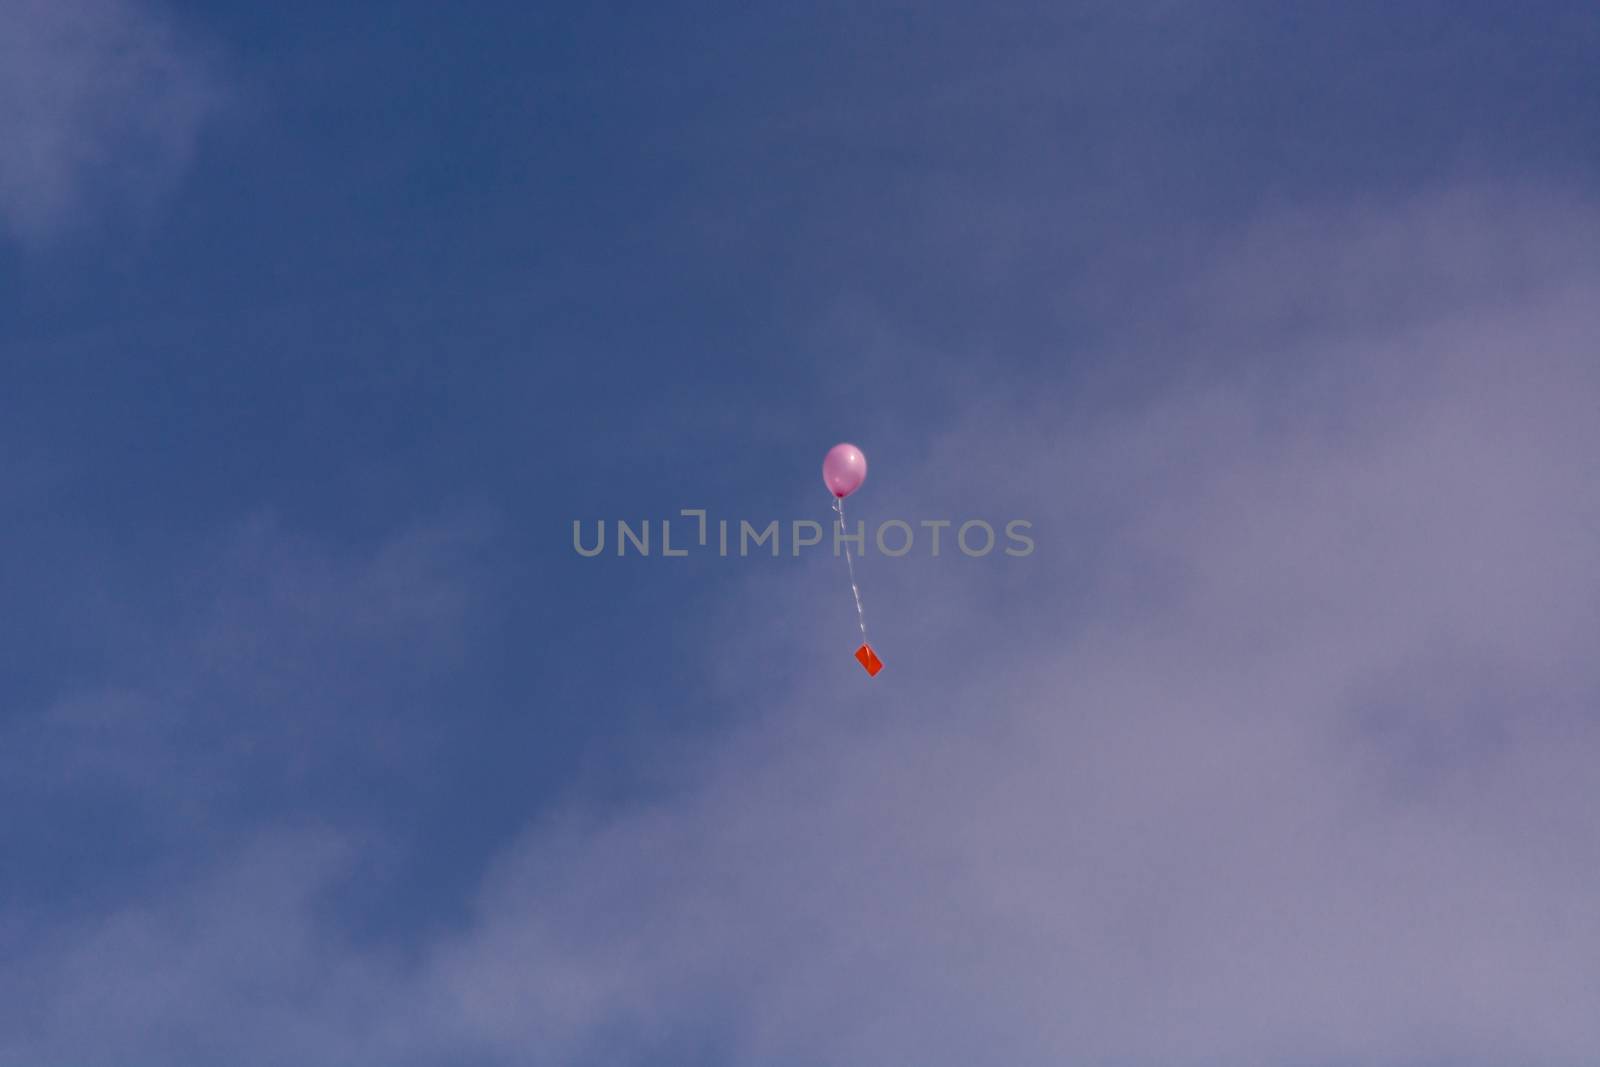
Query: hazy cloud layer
[1276,752]
[101,102]
[1293,770]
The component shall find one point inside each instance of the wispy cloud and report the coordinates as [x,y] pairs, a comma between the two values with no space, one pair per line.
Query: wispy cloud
[101,104]
[281,671]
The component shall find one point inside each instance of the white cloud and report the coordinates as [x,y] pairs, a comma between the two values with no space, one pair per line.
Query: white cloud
[1291,769]
[101,104]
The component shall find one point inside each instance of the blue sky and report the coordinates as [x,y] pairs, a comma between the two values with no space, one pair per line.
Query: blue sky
[320,326]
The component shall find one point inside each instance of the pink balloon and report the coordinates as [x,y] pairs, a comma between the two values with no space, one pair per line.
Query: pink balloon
[844,468]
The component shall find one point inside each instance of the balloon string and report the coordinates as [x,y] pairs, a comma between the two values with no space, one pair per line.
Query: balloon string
[861,616]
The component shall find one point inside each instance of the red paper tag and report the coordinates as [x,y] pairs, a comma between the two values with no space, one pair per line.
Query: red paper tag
[869,660]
